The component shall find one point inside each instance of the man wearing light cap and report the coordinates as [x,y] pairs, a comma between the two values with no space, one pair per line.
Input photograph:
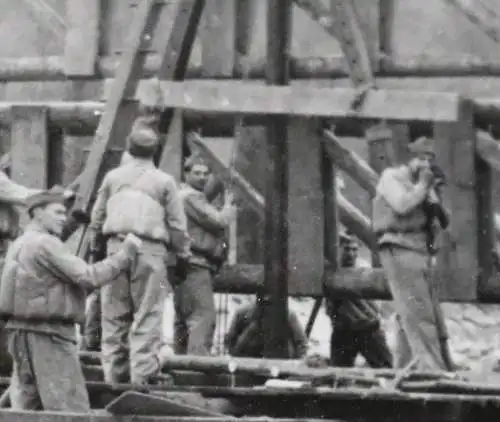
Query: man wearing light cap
[42,296]
[403,198]
[138,198]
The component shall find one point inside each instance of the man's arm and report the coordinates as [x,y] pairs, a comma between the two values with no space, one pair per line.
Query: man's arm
[401,198]
[206,214]
[12,192]
[58,260]
[298,334]
[176,220]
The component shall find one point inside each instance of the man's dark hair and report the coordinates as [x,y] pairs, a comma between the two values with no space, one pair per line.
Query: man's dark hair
[194,161]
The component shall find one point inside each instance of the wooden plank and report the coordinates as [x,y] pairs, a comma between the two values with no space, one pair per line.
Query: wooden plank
[275,309]
[172,157]
[386,25]
[458,260]
[381,151]
[400,141]
[330,211]
[217,38]
[29,147]
[306,208]
[251,163]
[81,49]
[225,97]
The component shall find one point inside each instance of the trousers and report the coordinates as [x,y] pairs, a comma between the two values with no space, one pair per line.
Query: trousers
[346,344]
[417,333]
[195,314]
[47,374]
[132,317]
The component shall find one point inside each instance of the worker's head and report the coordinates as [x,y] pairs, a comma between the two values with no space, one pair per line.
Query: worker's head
[423,154]
[196,172]
[348,250]
[142,142]
[48,210]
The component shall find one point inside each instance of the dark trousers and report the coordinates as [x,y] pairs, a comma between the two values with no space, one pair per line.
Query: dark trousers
[346,344]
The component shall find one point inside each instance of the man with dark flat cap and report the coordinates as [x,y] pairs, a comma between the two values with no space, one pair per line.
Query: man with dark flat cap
[138,198]
[42,296]
[404,197]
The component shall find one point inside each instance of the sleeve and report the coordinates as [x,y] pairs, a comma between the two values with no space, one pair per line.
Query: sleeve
[399,197]
[299,337]
[98,216]
[58,260]
[205,214]
[176,220]
[12,192]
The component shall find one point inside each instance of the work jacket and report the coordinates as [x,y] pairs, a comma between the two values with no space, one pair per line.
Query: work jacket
[43,281]
[206,225]
[138,198]
[398,213]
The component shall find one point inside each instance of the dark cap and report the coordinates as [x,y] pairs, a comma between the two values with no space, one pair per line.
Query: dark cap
[142,141]
[54,195]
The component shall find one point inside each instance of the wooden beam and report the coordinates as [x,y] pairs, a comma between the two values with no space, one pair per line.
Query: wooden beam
[349,162]
[81,50]
[459,263]
[47,17]
[52,68]
[386,26]
[217,38]
[306,208]
[172,158]
[276,234]
[29,147]
[300,101]
[330,210]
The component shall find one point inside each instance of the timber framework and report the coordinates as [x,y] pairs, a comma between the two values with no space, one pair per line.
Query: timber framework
[301,208]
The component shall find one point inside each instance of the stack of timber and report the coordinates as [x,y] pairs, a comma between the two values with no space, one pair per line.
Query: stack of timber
[222,387]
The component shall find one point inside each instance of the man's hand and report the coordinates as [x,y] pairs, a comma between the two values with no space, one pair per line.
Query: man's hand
[132,244]
[426,176]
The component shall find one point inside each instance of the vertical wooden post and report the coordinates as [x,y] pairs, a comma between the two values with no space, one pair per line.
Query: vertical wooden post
[218,38]
[331,219]
[81,50]
[275,321]
[306,226]
[29,146]
[465,257]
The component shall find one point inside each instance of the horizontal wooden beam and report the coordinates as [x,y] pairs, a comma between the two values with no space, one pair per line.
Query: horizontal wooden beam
[52,67]
[360,282]
[220,97]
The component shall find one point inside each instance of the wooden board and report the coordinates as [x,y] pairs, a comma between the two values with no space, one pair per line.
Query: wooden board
[30,147]
[134,403]
[458,260]
[306,222]
[82,37]
[225,97]
[217,38]
[172,155]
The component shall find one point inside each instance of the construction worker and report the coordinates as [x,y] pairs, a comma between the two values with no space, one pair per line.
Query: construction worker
[400,217]
[193,297]
[141,199]
[42,296]
[92,330]
[355,322]
[244,338]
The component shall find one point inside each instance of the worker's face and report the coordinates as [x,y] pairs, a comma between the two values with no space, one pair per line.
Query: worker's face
[197,177]
[52,218]
[421,161]
[349,254]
